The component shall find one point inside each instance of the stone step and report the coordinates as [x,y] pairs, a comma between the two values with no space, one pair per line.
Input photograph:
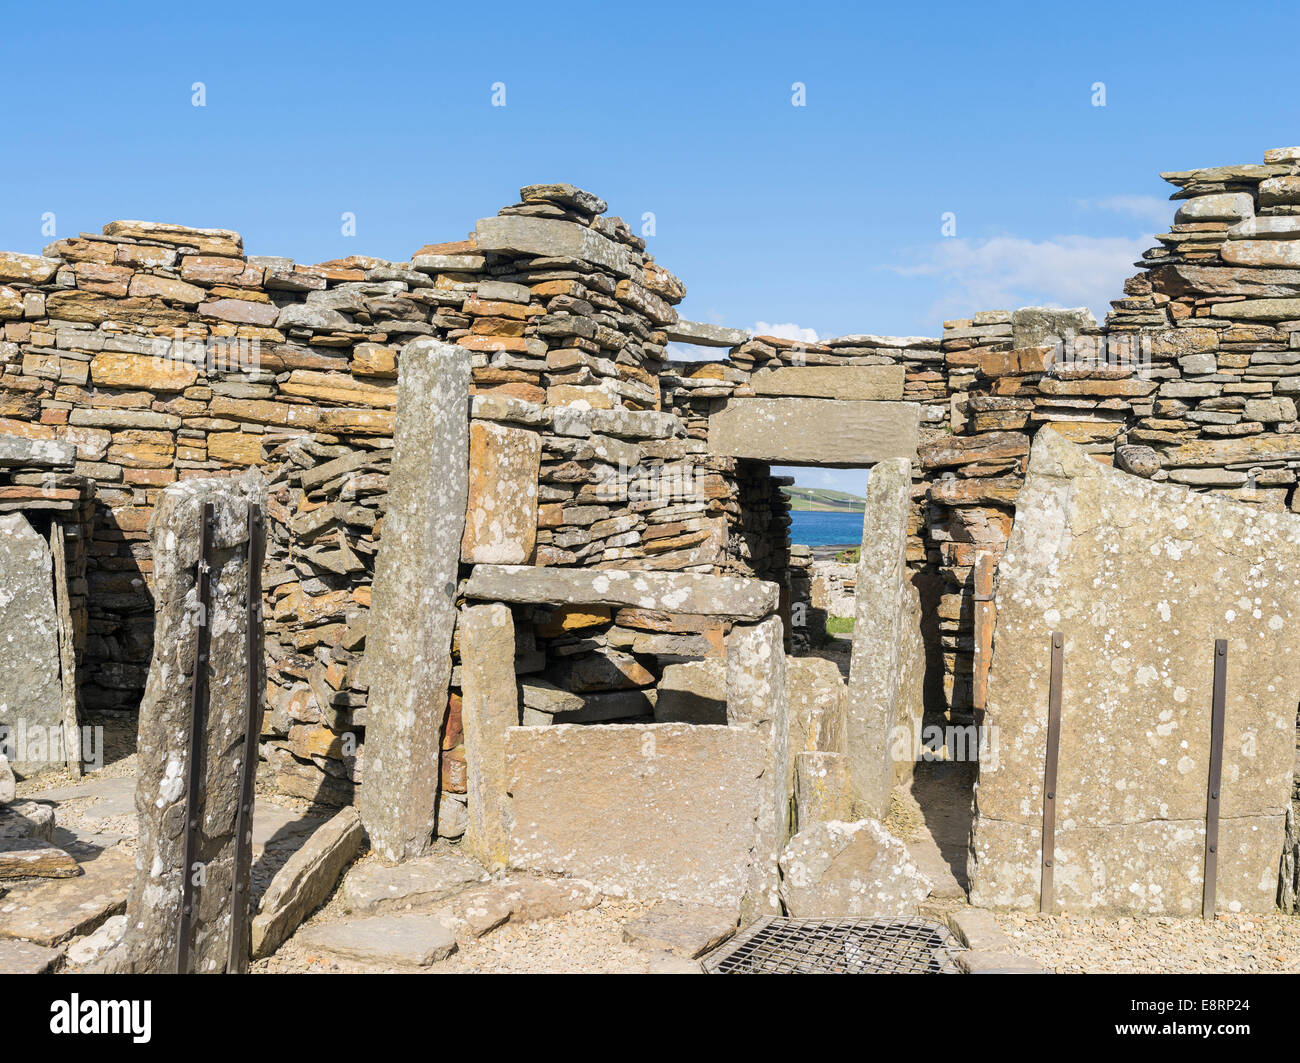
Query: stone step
[49,913]
[390,940]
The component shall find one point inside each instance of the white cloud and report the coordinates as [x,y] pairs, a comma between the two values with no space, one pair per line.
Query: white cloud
[1152,210]
[1007,272]
[787,331]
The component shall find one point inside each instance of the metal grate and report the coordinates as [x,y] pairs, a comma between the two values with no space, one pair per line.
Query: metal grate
[833,946]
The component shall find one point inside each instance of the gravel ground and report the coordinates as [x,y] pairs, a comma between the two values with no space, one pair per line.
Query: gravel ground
[1256,944]
[584,942]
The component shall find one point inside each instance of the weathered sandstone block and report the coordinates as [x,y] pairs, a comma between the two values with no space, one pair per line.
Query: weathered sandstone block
[645,810]
[815,431]
[1140,578]
[409,647]
[501,519]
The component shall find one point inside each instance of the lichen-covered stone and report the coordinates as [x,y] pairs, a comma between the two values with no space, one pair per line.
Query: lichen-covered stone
[1141,579]
[887,665]
[489,708]
[852,870]
[30,691]
[501,517]
[153,908]
[414,612]
[641,810]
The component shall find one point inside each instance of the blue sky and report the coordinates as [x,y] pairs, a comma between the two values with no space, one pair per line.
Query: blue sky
[825,217]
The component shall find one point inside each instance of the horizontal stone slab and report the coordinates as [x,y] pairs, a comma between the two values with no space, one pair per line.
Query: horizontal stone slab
[1259,309]
[705,335]
[806,431]
[44,453]
[857,382]
[552,238]
[679,592]
[1262,252]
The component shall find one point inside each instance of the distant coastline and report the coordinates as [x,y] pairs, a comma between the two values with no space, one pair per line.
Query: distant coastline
[822,500]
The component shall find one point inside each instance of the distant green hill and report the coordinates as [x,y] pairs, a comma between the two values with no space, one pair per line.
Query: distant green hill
[822,500]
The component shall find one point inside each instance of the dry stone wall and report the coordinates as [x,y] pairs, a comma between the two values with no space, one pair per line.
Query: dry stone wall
[163,353]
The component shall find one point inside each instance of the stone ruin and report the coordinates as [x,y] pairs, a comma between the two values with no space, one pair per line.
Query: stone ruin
[529,585]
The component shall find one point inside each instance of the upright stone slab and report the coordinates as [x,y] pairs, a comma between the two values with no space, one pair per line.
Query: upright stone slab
[501,518]
[489,708]
[756,698]
[1140,578]
[886,670]
[153,907]
[652,811]
[31,697]
[414,610]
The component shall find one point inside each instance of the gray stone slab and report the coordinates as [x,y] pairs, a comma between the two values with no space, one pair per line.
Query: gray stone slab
[374,887]
[1141,579]
[50,912]
[1034,326]
[886,670]
[804,431]
[850,870]
[414,599]
[23,957]
[306,880]
[978,961]
[703,334]
[655,811]
[674,592]
[38,453]
[977,929]
[553,238]
[31,697]
[389,940]
[687,930]
[149,945]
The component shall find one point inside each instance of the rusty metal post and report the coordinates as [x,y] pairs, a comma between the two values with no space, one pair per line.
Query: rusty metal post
[1217,710]
[1046,898]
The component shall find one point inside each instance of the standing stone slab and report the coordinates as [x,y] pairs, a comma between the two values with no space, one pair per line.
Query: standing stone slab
[1140,578]
[815,431]
[414,610]
[756,698]
[886,670]
[153,908]
[31,697]
[642,810]
[501,518]
[489,708]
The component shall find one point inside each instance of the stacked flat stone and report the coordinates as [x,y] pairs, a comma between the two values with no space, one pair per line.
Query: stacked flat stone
[325,510]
